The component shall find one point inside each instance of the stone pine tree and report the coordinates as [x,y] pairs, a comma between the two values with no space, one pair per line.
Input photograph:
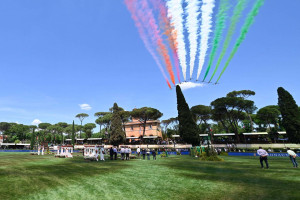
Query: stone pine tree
[188,129]
[81,117]
[73,134]
[290,115]
[117,135]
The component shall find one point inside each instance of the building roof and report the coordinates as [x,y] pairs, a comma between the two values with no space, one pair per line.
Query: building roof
[224,134]
[135,122]
[256,133]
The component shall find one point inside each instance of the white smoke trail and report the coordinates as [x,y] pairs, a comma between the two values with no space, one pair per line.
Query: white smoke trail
[206,24]
[192,10]
[175,13]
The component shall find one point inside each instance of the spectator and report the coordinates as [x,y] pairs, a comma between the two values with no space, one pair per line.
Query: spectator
[263,157]
[127,153]
[115,152]
[148,154]
[122,153]
[138,151]
[154,154]
[292,156]
[144,153]
[111,153]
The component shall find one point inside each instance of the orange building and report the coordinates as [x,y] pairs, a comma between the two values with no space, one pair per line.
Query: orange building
[134,129]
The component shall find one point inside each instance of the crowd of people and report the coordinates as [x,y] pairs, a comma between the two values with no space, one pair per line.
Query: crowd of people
[126,152]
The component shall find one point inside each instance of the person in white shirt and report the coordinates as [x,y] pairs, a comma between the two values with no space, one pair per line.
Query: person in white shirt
[102,153]
[127,153]
[138,152]
[263,156]
[122,153]
[115,152]
[292,156]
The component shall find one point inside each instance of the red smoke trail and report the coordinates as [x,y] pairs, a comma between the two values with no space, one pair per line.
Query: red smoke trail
[168,31]
[132,7]
[146,15]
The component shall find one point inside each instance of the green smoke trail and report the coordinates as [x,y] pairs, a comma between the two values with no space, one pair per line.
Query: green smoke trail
[238,10]
[220,25]
[244,31]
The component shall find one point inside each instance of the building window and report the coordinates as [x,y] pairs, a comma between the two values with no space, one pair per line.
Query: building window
[150,126]
[131,127]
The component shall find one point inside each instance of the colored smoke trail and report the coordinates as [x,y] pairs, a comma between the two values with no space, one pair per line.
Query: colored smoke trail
[220,25]
[167,30]
[238,10]
[192,10]
[175,13]
[207,11]
[245,28]
[149,20]
[132,7]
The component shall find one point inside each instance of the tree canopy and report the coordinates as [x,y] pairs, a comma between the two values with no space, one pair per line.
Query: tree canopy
[145,114]
[232,109]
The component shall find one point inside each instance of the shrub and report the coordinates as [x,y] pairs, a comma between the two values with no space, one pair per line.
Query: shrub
[223,154]
[212,157]
[178,153]
[163,155]
[17,141]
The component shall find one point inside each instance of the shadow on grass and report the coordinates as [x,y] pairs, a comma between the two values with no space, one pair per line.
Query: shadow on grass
[260,183]
[29,178]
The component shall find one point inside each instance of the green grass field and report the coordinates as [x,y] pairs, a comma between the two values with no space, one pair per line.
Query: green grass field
[23,176]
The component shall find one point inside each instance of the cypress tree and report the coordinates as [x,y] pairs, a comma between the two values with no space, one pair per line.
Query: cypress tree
[32,141]
[290,115]
[188,129]
[73,134]
[117,135]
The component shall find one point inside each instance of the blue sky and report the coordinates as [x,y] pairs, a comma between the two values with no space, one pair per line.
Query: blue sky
[56,55]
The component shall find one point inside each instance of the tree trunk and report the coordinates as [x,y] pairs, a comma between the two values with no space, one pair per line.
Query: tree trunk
[80,128]
[144,130]
[251,122]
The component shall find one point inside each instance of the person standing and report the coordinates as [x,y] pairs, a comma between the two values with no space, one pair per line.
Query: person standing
[115,152]
[138,151]
[122,153]
[292,156]
[127,153]
[263,157]
[144,153]
[102,152]
[154,154]
[111,153]
[148,154]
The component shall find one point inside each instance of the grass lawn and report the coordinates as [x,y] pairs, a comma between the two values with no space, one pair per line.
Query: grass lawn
[23,176]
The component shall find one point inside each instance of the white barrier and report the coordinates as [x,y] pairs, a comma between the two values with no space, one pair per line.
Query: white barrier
[92,152]
[64,152]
